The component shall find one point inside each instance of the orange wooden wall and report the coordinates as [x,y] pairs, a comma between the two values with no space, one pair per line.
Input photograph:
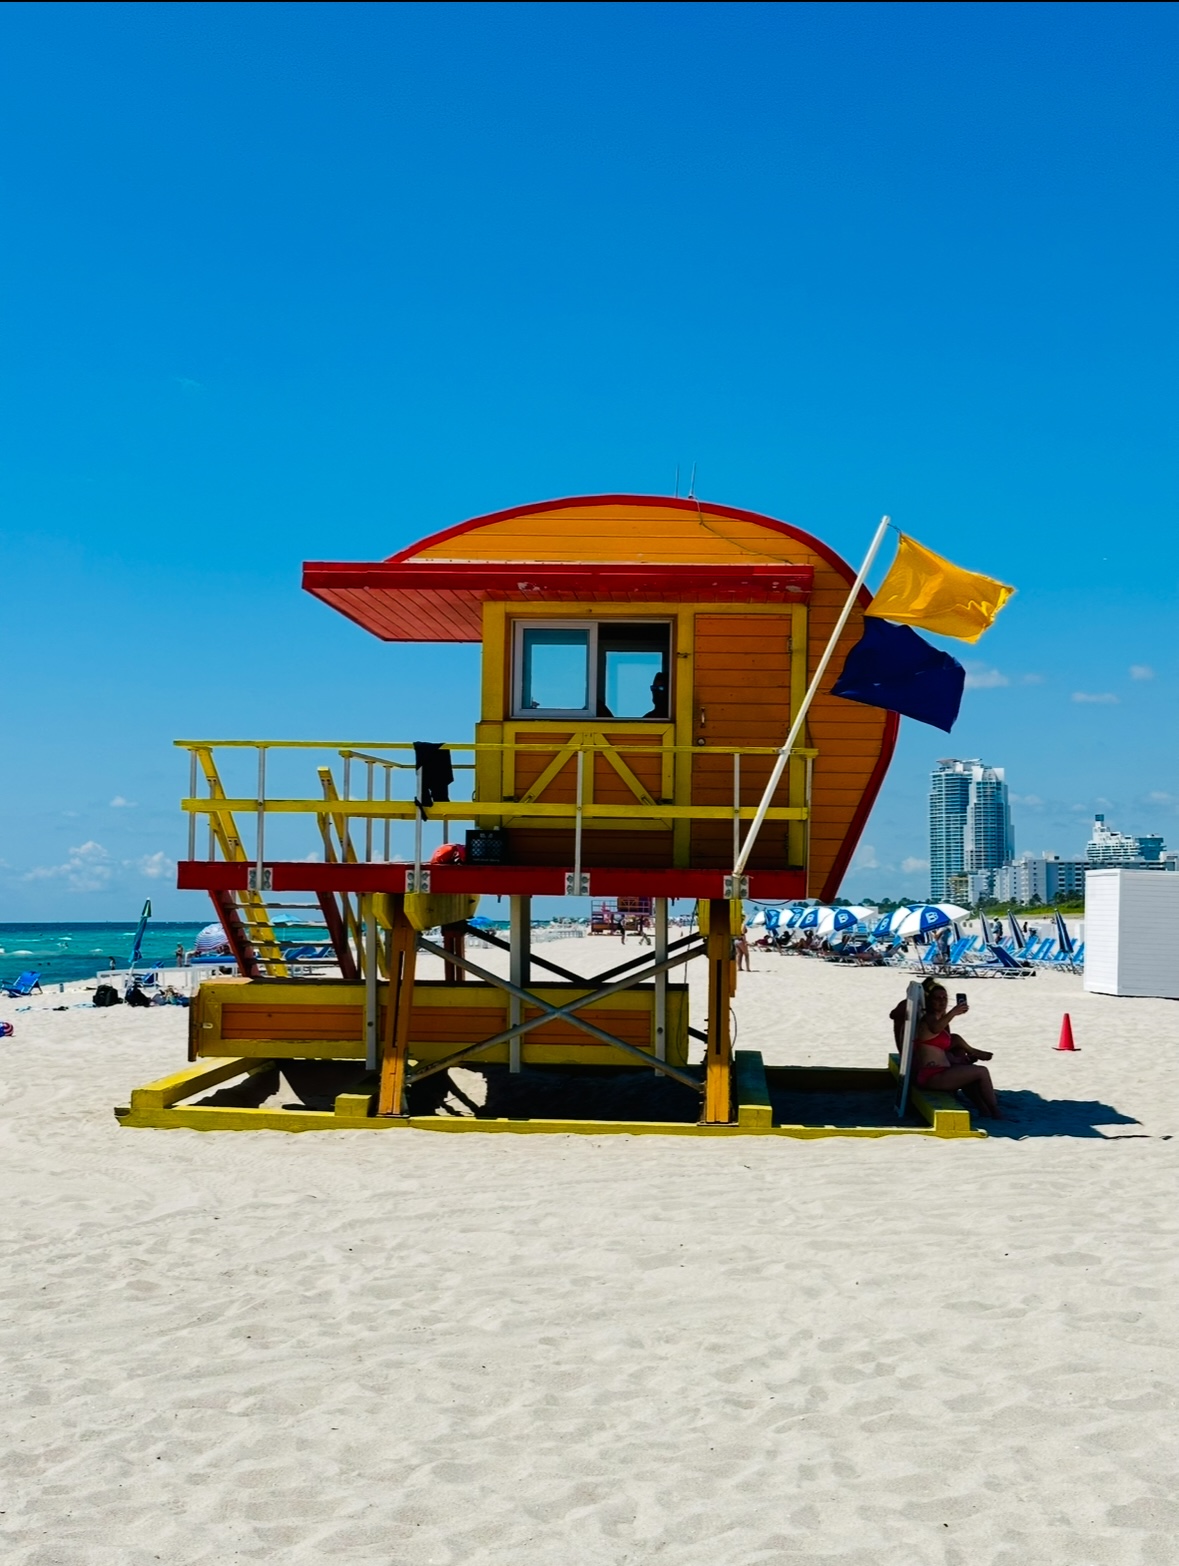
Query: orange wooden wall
[854,742]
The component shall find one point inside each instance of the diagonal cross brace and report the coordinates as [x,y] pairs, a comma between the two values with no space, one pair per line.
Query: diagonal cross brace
[551,1013]
[567,973]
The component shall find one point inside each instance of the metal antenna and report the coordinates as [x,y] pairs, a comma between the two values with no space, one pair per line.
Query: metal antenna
[692,484]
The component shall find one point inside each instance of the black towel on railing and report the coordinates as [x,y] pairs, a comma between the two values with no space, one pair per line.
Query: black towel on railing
[437,774]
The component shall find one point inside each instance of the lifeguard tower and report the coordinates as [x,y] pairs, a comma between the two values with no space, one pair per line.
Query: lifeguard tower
[641,661]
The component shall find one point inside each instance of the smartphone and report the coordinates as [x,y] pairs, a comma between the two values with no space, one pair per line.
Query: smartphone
[959,999]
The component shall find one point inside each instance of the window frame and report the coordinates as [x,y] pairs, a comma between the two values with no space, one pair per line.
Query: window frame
[589,713]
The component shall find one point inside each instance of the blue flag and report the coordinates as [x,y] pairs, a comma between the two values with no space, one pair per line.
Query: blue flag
[892,667]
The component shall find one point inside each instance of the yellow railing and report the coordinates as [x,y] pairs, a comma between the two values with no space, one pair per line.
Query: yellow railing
[369,768]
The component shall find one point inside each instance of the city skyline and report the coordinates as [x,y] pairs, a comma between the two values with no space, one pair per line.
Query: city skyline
[972,844]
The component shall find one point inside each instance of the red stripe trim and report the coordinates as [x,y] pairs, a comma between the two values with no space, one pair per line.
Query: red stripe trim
[505,880]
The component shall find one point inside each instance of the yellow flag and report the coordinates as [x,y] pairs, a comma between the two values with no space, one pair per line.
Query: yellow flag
[923,589]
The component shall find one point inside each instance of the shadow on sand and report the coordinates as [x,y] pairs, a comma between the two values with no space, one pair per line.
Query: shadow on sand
[1036,1116]
[493,1093]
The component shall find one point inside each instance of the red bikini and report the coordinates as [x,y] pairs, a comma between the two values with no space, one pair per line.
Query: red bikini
[926,1073]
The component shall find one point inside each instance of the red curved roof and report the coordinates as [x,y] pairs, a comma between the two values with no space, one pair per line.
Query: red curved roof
[409,598]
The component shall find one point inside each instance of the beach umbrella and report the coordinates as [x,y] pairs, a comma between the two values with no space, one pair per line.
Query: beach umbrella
[952,909]
[1063,938]
[834,920]
[809,920]
[887,923]
[759,918]
[211,939]
[143,918]
[986,929]
[924,920]
[1017,935]
[481,922]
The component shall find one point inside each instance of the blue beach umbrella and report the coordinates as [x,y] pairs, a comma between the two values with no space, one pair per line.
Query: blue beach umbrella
[1063,938]
[923,920]
[1017,935]
[143,918]
[887,923]
[811,917]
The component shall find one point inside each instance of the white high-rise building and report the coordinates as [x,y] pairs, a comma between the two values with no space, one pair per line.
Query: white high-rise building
[969,824]
[1109,848]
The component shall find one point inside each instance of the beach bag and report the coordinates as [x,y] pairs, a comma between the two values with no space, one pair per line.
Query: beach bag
[136,997]
[107,995]
[6,1030]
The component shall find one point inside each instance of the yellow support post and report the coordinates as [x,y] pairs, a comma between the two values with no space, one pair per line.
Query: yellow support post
[718,1060]
[401,964]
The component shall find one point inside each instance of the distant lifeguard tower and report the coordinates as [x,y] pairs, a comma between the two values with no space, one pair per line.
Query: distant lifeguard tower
[642,658]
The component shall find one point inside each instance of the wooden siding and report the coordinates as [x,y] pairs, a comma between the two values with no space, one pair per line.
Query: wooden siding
[326,1021]
[623,532]
[848,737]
[741,696]
[642,848]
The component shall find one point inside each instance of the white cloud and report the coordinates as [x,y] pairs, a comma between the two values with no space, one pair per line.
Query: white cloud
[119,803]
[910,865]
[88,869]
[1141,671]
[1158,797]
[1099,698]
[1026,799]
[981,677]
[154,866]
[1031,679]
[310,859]
[866,858]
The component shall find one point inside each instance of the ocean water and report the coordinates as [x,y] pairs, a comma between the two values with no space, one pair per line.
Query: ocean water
[64,952]
[61,953]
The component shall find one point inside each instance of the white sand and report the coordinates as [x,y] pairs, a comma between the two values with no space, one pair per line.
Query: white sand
[413,1348]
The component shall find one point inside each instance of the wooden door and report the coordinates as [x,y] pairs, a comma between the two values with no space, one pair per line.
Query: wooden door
[742,698]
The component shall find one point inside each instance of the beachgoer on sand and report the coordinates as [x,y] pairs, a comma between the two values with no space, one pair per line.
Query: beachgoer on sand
[741,948]
[944,1060]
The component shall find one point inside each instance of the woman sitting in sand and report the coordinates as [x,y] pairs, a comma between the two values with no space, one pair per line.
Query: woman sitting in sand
[945,1060]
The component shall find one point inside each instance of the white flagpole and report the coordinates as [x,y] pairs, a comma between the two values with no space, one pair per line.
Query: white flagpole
[755,825]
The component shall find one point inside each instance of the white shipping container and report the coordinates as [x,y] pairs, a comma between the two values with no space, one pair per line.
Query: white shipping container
[1132,932]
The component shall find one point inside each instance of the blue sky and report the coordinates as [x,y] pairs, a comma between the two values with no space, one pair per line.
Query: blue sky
[287,282]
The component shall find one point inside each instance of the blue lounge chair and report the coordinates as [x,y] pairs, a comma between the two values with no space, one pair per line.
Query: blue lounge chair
[1073,960]
[955,966]
[1002,959]
[24,985]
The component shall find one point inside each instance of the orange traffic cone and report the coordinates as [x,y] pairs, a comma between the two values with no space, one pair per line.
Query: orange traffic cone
[1066,1035]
